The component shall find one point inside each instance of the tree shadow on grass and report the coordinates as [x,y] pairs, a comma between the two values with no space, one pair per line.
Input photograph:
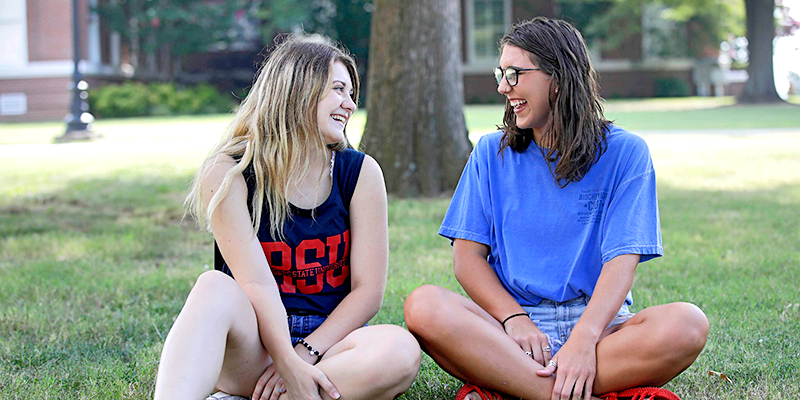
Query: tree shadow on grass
[85,205]
[100,219]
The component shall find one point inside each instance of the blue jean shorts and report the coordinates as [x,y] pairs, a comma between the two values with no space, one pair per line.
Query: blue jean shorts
[301,326]
[556,320]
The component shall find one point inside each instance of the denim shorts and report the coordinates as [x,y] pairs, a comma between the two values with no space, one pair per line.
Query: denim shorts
[301,326]
[556,320]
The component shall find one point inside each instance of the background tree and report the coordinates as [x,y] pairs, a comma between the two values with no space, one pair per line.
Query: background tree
[760,86]
[415,126]
[709,22]
[345,20]
[174,29]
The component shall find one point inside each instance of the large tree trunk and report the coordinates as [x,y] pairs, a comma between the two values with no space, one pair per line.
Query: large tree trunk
[760,86]
[415,121]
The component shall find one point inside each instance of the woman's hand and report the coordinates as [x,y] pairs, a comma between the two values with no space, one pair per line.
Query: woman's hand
[270,386]
[303,381]
[576,367]
[529,338]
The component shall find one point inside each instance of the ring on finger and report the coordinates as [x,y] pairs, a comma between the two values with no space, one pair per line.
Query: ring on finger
[528,353]
[552,363]
[546,348]
[283,390]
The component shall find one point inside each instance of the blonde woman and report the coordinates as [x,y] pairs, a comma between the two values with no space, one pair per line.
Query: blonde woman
[300,224]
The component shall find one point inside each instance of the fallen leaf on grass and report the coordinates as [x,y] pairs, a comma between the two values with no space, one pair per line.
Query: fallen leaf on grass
[791,310]
[720,376]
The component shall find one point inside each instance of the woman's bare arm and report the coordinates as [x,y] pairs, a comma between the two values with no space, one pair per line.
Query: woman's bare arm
[245,257]
[369,251]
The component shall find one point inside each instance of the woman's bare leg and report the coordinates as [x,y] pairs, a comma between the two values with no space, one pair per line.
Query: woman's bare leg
[471,345]
[375,362]
[214,341]
[651,348]
[648,350]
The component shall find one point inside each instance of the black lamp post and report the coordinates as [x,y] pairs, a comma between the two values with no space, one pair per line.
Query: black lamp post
[79,120]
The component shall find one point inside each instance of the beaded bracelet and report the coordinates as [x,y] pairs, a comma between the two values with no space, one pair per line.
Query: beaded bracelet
[512,316]
[311,350]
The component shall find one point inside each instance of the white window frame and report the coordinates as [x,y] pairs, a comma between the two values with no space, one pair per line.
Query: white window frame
[21,22]
[473,64]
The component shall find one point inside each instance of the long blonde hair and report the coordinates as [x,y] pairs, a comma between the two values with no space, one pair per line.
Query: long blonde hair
[275,128]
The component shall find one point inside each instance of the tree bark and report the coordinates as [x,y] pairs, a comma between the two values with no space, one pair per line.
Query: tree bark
[760,86]
[415,122]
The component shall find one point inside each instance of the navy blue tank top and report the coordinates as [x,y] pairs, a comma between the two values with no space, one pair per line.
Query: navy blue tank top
[312,265]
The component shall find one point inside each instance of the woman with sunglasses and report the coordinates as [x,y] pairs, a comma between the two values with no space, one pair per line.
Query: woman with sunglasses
[300,223]
[548,223]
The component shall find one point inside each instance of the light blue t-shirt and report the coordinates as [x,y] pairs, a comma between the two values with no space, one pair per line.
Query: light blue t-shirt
[549,242]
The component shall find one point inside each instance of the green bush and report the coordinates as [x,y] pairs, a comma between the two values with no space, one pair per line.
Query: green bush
[116,101]
[136,99]
[671,87]
[163,98]
[210,101]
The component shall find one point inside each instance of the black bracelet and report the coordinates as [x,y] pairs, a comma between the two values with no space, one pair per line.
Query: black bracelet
[311,350]
[512,316]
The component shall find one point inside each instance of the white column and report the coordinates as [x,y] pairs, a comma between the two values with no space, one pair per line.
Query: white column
[14,33]
[93,37]
[116,40]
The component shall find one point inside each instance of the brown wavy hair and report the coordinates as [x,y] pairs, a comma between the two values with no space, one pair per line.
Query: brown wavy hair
[576,129]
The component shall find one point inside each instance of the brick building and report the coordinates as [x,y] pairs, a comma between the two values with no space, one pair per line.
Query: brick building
[637,68]
[36,56]
[36,61]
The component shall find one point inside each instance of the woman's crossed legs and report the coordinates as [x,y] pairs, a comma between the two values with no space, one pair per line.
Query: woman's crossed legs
[647,350]
[215,343]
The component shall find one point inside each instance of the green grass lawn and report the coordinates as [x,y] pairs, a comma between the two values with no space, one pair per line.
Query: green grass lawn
[688,113]
[96,262]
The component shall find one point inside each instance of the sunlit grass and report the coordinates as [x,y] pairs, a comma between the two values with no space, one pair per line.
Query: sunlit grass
[685,113]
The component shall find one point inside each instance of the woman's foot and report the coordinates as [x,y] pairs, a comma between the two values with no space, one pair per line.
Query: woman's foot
[473,396]
[649,393]
[474,392]
[224,396]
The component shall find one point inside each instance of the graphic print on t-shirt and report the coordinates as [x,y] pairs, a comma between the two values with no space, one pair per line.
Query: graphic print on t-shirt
[309,266]
[593,203]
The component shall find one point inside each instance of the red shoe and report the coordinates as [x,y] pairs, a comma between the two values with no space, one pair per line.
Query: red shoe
[642,393]
[485,394]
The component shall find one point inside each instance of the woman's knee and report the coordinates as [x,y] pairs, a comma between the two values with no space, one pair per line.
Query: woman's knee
[693,324]
[387,357]
[685,331]
[402,350]
[215,292]
[405,350]
[424,308]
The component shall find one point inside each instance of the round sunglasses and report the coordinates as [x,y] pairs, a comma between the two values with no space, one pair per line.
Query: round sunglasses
[511,74]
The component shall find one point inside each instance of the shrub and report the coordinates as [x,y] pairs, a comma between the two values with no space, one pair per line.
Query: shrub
[212,101]
[670,87]
[133,99]
[114,101]
[163,98]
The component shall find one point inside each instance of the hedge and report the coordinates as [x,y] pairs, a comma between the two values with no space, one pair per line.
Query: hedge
[133,99]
